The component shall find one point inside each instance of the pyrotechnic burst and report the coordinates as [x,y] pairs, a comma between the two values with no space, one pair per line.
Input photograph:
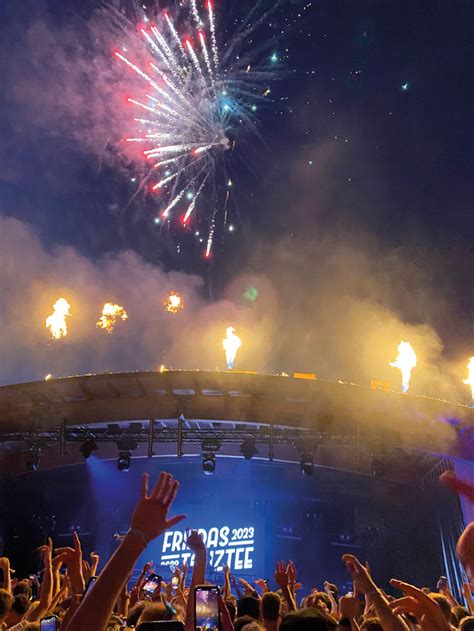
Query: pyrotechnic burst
[231,344]
[405,362]
[110,314]
[173,303]
[470,379]
[56,321]
[195,97]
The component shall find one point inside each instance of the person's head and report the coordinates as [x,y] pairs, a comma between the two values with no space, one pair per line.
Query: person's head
[231,608]
[154,612]
[247,623]
[20,606]
[320,600]
[444,605]
[23,587]
[135,613]
[371,624]
[308,620]
[467,624]
[271,607]
[459,613]
[6,602]
[249,606]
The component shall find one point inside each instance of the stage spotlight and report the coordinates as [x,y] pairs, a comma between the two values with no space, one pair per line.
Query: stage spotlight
[208,463]
[124,460]
[248,448]
[378,468]
[307,464]
[88,447]
[33,459]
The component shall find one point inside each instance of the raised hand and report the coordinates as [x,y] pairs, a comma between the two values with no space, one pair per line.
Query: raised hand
[73,559]
[426,610]
[150,517]
[360,575]
[195,541]
[291,571]
[281,574]
[260,582]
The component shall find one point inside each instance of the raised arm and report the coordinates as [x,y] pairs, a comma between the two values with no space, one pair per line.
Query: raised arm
[7,579]
[282,580]
[366,585]
[196,544]
[46,590]
[149,520]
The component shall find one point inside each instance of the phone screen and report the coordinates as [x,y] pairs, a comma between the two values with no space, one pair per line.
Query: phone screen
[175,582]
[152,583]
[90,582]
[206,608]
[49,624]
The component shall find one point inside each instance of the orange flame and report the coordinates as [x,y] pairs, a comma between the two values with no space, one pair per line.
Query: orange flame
[110,314]
[231,344]
[173,303]
[405,361]
[470,379]
[56,321]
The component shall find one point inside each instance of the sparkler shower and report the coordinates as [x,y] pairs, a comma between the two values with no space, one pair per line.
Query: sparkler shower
[185,119]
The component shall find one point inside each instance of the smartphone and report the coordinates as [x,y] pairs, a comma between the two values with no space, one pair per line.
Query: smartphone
[152,583]
[49,624]
[206,608]
[161,625]
[175,583]
[90,582]
[442,583]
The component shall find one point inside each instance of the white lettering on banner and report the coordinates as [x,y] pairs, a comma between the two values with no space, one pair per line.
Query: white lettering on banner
[234,547]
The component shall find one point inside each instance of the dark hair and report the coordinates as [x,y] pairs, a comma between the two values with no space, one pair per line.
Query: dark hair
[23,587]
[21,604]
[249,606]
[135,612]
[231,608]
[271,606]
[308,620]
[323,597]
[6,602]
[371,624]
[241,621]
[154,612]
[459,613]
[444,605]
[467,624]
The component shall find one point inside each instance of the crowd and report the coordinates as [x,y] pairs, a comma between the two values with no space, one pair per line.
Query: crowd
[73,595]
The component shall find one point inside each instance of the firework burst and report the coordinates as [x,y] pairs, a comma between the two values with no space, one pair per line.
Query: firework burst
[193,102]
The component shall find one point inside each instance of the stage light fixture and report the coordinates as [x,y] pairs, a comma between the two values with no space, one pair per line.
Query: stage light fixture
[124,460]
[307,464]
[125,448]
[209,463]
[378,467]
[248,448]
[33,458]
[88,447]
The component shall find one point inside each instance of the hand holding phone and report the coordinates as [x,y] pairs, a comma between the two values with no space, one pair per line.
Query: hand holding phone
[206,608]
[152,583]
[49,624]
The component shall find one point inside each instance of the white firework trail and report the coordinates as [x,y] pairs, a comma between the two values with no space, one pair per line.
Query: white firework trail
[212,25]
[191,101]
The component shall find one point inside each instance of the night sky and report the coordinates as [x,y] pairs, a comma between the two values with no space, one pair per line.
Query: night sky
[365,145]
